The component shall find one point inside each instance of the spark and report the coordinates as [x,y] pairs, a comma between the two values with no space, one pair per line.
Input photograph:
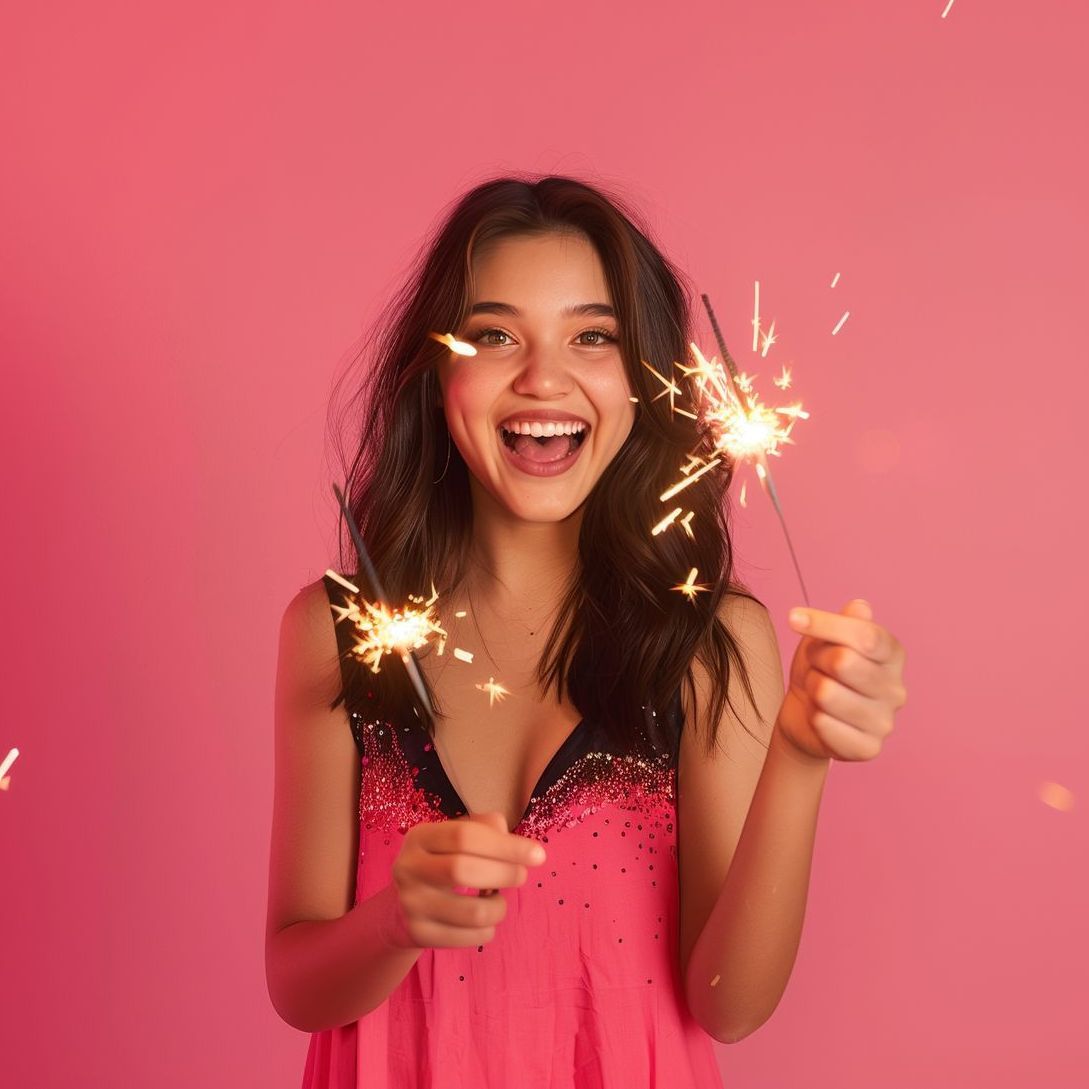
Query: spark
[756,316]
[460,614]
[494,689]
[947,7]
[5,779]
[783,381]
[839,325]
[382,630]
[666,522]
[714,982]
[452,342]
[744,485]
[463,655]
[686,521]
[671,387]
[835,279]
[769,339]
[670,492]
[690,587]
[634,400]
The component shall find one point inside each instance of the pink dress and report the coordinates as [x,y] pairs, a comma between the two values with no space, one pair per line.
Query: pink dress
[580,988]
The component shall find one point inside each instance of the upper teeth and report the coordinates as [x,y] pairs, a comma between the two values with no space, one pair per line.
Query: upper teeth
[539,428]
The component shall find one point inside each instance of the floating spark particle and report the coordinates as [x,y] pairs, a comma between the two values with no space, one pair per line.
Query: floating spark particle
[634,400]
[744,485]
[494,689]
[835,279]
[671,387]
[839,324]
[947,7]
[690,587]
[783,381]
[666,522]
[670,492]
[714,982]
[1057,797]
[452,342]
[463,655]
[756,316]
[769,339]
[460,614]
[5,779]
[686,521]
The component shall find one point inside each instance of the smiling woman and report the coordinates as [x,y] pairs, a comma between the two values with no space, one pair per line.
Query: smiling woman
[522,483]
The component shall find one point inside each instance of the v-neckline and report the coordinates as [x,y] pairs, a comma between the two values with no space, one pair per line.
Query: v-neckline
[542,780]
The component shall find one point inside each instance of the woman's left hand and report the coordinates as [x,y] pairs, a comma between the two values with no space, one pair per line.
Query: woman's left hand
[846,684]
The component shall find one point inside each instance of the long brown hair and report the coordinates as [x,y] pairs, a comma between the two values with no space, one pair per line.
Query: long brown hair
[623,640]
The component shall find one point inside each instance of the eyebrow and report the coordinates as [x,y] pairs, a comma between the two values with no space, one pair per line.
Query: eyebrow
[597,310]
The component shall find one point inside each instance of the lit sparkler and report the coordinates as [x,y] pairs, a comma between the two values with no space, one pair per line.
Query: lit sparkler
[755,422]
[407,631]
[460,347]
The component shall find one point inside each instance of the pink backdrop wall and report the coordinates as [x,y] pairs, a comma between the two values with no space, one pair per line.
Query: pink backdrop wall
[203,205]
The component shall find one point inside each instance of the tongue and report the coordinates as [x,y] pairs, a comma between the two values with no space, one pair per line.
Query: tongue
[549,449]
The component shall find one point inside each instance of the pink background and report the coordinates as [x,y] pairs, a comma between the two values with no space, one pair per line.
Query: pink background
[203,205]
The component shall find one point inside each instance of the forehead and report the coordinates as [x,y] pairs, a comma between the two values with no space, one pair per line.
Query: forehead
[549,271]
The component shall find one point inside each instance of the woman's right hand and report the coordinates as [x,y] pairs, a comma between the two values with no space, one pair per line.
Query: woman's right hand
[437,858]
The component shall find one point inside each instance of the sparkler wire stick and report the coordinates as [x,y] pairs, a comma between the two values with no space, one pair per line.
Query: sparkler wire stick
[407,656]
[763,470]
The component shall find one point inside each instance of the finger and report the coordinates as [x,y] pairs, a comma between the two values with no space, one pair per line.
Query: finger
[844,740]
[450,871]
[452,909]
[850,668]
[867,637]
[868,715]
[480,834]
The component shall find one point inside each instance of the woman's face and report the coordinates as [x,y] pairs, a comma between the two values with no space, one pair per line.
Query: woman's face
[544,405]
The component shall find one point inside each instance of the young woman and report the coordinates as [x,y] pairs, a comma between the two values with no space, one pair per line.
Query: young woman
[648,830]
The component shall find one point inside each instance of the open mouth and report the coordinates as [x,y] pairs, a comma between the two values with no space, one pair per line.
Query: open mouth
[553,448]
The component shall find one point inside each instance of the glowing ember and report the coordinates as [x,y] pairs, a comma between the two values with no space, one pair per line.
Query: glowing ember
[756,316]
[494,689]
[690,587]
[5,779]
[666,522]
[839,324]
[452,342]
[463,655]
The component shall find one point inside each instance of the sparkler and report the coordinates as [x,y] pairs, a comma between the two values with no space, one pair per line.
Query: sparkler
[384,622]
[727,438]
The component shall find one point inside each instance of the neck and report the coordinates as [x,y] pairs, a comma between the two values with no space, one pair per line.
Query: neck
[517,567]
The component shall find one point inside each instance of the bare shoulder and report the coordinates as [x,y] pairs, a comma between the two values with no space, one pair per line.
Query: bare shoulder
[315,832]
[715,790]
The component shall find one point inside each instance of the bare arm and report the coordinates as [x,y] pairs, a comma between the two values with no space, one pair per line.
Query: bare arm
[327,962]
[748,818]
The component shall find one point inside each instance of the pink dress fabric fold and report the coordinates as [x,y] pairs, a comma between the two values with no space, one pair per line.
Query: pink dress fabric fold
[580,988]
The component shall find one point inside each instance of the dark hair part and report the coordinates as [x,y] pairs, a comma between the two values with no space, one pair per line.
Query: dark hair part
[623,639]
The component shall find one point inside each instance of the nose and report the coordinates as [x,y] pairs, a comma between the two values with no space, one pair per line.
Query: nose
[543,375]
